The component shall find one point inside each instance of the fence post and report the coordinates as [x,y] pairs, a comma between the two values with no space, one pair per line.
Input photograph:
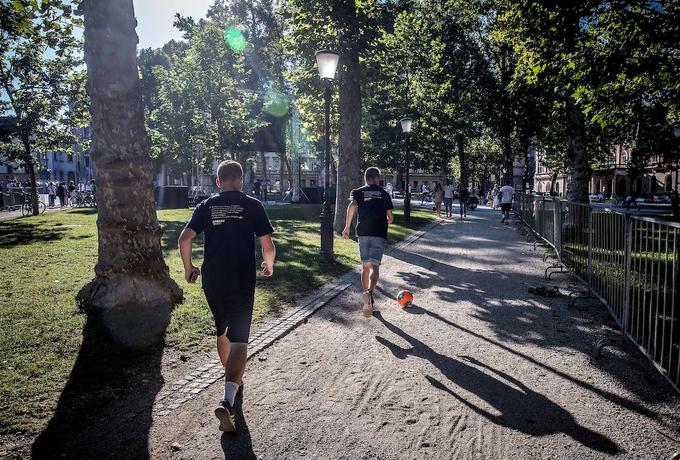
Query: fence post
[557,227]
[590,246]
[628,238]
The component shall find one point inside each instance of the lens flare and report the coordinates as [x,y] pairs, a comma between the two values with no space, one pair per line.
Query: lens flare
[235,39]
[275,103]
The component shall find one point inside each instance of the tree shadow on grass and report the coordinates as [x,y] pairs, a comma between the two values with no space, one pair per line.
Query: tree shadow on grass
[520,408]
[14,232]
[105,409]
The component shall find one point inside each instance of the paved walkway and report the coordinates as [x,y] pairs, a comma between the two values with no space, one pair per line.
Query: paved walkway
[478,368]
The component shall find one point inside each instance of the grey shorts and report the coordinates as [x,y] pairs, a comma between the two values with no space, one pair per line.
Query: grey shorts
[371,249]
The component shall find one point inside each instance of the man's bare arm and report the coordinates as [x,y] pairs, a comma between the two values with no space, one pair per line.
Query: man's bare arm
[351,210]
[184,243]
[390,216]
[268,254]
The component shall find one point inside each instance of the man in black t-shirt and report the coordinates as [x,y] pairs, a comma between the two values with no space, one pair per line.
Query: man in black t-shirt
[230,222]
[374,207]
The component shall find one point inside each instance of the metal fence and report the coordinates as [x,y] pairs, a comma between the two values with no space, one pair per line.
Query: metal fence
[630,262]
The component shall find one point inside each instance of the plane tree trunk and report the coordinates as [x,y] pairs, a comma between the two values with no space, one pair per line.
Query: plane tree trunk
[349,153]
[132,293]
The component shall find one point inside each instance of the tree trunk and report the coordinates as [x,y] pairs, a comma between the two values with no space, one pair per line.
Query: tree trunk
[460,141]
[579,170]
[349,154]
[30,167]
[132,293]
[263,159]
[508,159]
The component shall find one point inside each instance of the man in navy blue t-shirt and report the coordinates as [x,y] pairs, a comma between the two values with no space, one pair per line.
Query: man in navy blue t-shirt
[230,222]
[374,208]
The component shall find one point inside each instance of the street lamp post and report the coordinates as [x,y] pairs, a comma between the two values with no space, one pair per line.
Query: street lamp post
[327,61]
[406,124]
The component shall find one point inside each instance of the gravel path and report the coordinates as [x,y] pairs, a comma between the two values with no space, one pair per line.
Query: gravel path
[478,368]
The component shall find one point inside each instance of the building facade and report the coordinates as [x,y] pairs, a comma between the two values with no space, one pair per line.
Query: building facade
[611,179]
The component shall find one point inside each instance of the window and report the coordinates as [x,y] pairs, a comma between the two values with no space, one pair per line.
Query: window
[312,183]
[70,158]
[55,156]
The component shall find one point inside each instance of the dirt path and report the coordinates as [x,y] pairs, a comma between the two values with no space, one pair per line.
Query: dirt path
[478,368]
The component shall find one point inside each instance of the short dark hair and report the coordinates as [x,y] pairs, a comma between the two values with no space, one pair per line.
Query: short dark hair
[371,173]
[229,170]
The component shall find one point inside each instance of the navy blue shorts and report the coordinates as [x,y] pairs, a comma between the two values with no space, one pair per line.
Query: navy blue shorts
[231,311]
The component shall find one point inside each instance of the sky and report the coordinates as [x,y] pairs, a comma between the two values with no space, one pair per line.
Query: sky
[155,17]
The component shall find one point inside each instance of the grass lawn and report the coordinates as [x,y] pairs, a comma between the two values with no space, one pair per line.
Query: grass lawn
[47,259]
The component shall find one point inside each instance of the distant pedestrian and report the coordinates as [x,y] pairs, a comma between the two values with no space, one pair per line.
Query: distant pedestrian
[51,194]
[505,195]
[448,198]
[71,191]
[438,197]
[463,196]
[389,189]
[257,188]
[61,193]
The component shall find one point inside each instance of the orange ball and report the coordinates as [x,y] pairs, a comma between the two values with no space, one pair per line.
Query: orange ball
[405,298]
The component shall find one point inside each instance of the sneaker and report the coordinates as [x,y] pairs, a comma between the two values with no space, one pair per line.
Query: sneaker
[368,304]
[225,414]
[503,220]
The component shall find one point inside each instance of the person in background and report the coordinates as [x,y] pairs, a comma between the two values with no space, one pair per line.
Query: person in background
[61,194]
[506,194]
[438,197]
[389,189]
[463,195]
[257,189]
[51,194]
[71,191]
[448,198]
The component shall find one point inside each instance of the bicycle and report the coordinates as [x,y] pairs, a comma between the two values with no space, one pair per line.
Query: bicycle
[27,206]
[81,199]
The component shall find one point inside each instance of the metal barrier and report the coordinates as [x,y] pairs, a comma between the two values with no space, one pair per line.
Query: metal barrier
[629,262]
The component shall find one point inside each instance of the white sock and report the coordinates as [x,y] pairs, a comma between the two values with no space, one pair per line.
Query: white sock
[230,389]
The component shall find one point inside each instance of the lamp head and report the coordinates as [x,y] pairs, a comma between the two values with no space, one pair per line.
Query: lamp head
[327,62]
[406,124]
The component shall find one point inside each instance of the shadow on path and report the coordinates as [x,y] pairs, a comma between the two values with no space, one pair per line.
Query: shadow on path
[520,407]
[105,409]
[239,445]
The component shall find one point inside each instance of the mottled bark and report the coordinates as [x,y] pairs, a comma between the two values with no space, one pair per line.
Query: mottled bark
[507,159]
[263,160]
[349,148]
[132,293]
[30,167]
[578,164]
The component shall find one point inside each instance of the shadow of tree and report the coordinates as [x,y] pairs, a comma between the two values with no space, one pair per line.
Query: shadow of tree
[502,302]
[105,409]
[14,232]
[520,408]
